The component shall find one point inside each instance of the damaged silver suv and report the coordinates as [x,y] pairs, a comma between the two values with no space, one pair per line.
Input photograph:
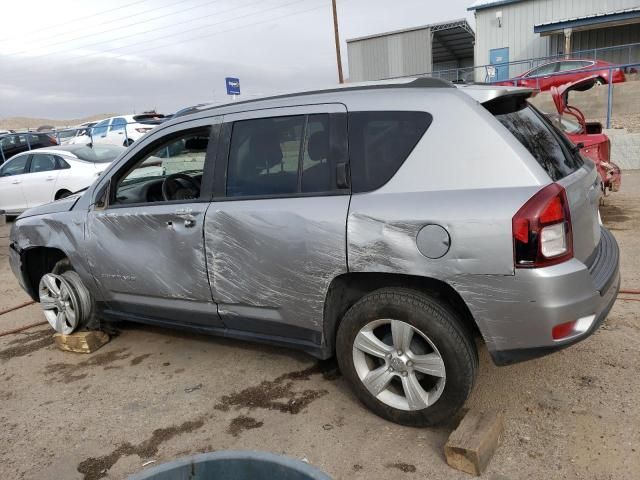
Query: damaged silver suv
[386,224]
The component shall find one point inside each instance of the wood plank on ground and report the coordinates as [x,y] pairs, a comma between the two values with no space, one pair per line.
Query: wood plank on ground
[471,446]
[81,342]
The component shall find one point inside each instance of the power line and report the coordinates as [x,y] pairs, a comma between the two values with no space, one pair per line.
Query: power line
[100,53]
[58,25]
[161,28]
[226,31]
[193,7]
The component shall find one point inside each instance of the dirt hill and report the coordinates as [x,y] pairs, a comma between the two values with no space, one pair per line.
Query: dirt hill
[17,123]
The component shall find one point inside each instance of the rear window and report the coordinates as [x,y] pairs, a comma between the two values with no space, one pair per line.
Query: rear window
[547,146]
[380,142]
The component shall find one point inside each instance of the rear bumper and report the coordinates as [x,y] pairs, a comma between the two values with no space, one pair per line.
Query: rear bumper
[517,323]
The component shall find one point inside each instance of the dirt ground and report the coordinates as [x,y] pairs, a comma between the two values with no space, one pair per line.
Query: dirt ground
[154,394]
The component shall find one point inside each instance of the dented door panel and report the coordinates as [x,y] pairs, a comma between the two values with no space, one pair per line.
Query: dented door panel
[271,261]
[150,261]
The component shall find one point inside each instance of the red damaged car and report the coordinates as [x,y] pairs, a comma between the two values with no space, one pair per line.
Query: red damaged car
[587,136]
[559,72]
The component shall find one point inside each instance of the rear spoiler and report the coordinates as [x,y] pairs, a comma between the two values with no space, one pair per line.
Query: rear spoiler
[485,94]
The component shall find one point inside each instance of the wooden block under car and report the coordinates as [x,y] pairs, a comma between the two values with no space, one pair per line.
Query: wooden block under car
[81,342]
[471,446]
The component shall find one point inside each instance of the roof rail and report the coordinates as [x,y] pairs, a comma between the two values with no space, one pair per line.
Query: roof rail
[415,82]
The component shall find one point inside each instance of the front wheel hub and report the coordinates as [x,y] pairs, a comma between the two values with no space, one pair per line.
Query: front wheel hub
[64,301]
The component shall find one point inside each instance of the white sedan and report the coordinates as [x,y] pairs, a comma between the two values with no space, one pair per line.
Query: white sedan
[40,176]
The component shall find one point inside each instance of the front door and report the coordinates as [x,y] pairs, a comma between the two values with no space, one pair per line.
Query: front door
[275,235]
[12,174]
[146,244]
[499,58]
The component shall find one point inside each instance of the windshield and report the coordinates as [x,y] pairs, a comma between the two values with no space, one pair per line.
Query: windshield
[552,151]
[98,153]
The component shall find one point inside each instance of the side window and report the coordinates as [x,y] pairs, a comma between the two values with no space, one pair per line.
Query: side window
[565,66]
[61,164]
[118,124]
[101,128]
[42,163]
[544,70]
[154,176]
[37,139]
[280,156]
[263,157]
[380,142]
[15,166]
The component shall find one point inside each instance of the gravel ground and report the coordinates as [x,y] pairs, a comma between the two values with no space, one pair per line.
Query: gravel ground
[153,394]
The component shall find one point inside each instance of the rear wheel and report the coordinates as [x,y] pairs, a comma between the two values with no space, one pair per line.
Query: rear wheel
[407,356]
[600,81]
[66,303]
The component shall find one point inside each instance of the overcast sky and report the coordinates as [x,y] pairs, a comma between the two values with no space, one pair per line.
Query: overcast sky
[68,59]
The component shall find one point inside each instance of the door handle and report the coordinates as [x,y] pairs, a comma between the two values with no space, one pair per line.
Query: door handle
[15,182]
[50,178]
[190,222]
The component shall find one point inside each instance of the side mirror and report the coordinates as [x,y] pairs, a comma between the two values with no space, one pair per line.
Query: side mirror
[102,196]
[579,145]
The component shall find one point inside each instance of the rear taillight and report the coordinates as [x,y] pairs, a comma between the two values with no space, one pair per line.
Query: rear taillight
[542,229]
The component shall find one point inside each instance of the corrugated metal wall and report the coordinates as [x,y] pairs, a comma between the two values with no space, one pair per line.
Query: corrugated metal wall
[396,55]
[518,20]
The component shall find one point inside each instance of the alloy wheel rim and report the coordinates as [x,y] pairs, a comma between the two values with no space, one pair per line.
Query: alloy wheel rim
[59,304]
[398,364]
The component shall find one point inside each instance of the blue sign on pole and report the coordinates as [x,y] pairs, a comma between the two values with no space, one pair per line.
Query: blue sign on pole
[233,86]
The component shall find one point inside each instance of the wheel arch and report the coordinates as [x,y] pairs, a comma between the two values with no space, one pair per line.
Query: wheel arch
[36,262]
[346,289]
[60,191]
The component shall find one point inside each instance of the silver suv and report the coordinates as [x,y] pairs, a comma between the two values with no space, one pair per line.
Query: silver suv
[386,224]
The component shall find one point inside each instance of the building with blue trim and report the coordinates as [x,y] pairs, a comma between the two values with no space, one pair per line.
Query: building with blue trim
[512,30]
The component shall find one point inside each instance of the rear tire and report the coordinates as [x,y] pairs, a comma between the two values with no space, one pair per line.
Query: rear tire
[600,81]
[423,385]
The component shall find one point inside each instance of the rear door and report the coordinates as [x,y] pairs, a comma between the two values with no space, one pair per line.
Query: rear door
[39,183]
[276,233]
[99,132]
[117,129]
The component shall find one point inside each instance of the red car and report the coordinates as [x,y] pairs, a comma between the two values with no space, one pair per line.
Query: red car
[559,72]
[587,136]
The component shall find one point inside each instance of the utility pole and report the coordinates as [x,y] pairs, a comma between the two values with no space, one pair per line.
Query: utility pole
[337,38]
